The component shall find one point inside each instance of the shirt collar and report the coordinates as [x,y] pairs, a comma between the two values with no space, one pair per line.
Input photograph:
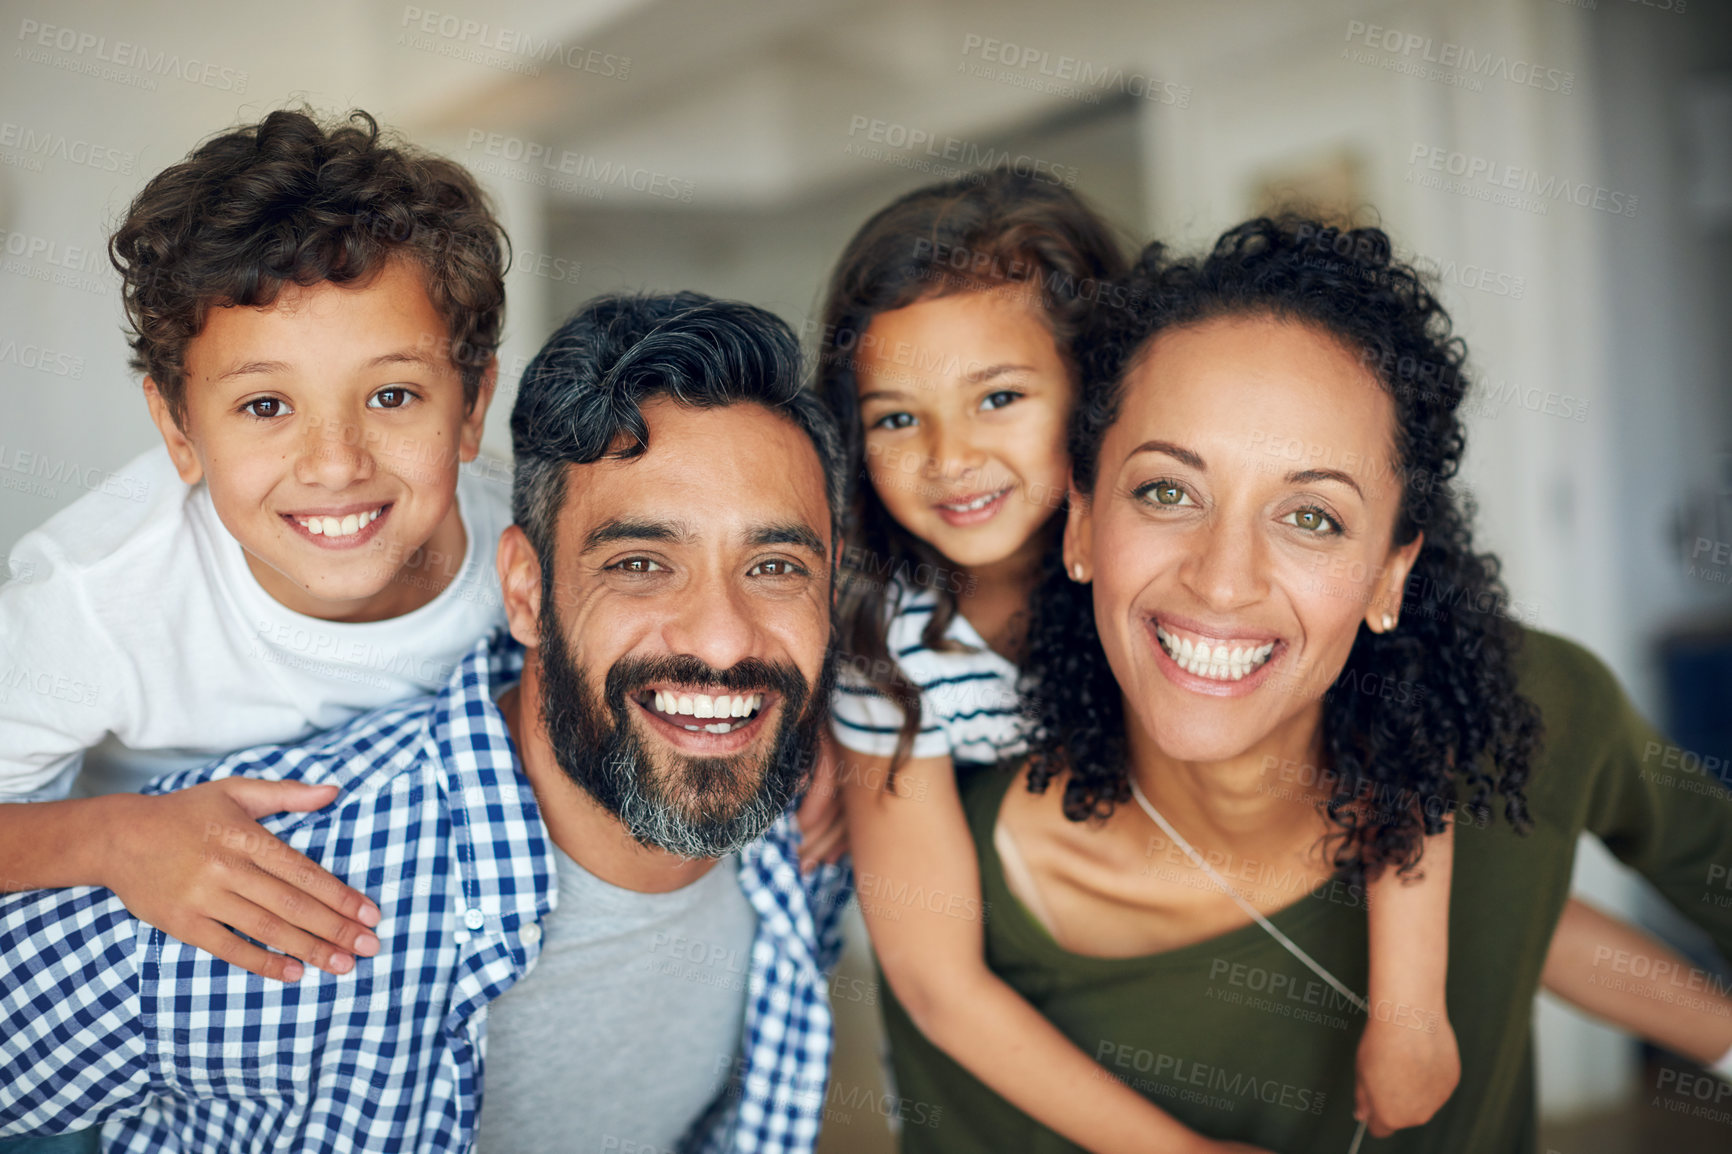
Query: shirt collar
[504,856]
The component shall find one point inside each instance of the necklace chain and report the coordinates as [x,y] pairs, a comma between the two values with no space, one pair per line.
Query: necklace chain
[1226,887]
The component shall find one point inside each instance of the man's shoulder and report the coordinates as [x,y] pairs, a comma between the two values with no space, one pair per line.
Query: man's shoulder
[360,755]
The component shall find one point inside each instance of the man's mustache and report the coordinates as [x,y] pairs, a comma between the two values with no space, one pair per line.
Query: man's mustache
[631,674]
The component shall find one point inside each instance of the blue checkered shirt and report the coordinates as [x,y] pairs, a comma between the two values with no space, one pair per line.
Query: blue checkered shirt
[106,1019]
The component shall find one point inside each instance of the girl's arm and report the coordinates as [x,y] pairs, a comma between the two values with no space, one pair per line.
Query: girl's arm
[1408,1064]
[1630,979]
[917,838]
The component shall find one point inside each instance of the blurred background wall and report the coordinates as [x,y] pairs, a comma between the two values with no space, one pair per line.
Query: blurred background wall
[732,146]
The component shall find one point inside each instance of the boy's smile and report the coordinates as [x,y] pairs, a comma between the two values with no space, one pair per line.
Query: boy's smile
[329,428]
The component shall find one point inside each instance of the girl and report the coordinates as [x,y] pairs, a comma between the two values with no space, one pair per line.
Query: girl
[947,355]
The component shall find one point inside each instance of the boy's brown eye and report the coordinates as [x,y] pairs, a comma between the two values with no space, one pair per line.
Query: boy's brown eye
[263,407]
[391,398]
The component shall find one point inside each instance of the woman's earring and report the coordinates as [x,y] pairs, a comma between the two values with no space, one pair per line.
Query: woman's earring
[1076,571]
[1388,623]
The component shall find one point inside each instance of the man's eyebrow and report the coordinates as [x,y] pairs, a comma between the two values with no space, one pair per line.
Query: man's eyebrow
[790,533]
[1178,452]
[624,529]
[1306,476]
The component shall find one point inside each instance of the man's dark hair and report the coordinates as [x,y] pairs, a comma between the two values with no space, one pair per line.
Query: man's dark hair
[582,396]
[288,200]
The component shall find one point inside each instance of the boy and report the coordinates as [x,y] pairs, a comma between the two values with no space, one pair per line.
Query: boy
[315,311]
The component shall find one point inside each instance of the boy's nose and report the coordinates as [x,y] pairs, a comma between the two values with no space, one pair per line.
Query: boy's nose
[333,455]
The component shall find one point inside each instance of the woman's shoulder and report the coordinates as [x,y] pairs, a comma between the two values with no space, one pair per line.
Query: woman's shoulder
[1565,679]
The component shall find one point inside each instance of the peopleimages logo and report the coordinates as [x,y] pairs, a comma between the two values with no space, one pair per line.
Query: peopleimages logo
[89,47]
[59,146]
[1482,178]
[1449,55]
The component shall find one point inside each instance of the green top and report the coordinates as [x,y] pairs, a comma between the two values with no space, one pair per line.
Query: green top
[1237,1039]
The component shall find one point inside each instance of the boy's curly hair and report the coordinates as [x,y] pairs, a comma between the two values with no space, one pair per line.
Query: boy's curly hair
[1388,761]
[288,200]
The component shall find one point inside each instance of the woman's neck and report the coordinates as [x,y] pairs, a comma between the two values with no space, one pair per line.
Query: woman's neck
[1242,803]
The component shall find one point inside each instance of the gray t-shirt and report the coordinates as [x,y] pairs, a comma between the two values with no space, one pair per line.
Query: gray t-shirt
[627,1028]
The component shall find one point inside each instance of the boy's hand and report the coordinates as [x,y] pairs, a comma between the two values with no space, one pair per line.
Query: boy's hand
[1404,1075]
[823,830]
[188,862]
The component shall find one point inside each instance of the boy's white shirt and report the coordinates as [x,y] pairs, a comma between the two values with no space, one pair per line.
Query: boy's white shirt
[131,615]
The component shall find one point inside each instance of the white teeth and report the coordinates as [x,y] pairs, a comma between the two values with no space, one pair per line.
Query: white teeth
[979,502]
[1221,662]
[703,705]
[340,526]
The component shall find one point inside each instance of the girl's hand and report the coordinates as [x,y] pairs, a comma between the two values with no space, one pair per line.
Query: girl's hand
[195,862]
[823,828]
[1404,1075]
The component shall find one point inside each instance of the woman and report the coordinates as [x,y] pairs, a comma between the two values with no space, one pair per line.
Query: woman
[1262,465]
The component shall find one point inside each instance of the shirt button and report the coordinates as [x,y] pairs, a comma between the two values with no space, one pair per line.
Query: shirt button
[474,919]
[532,933]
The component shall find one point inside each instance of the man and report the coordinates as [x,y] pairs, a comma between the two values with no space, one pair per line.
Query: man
[604,792]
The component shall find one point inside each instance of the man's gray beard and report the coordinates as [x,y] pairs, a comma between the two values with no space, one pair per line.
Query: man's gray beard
[662,824]
[606,757]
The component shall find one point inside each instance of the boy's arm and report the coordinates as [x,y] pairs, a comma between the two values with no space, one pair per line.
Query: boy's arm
[193,863]
[1408,1064]
[1617,973]
[917,839]
[63,683]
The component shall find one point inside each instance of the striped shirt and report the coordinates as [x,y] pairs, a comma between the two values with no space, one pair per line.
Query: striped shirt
[104,1019]
[969,706]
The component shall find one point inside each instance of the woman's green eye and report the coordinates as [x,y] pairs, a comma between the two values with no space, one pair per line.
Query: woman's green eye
[1313,520]
[999,399]
[1165,493]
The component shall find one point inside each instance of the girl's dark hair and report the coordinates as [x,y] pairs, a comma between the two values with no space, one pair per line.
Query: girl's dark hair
[290,201]
[1393,759]
[988,231]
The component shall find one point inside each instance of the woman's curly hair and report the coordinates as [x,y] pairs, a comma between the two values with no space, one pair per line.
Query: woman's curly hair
[289,201]
[1393,765]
